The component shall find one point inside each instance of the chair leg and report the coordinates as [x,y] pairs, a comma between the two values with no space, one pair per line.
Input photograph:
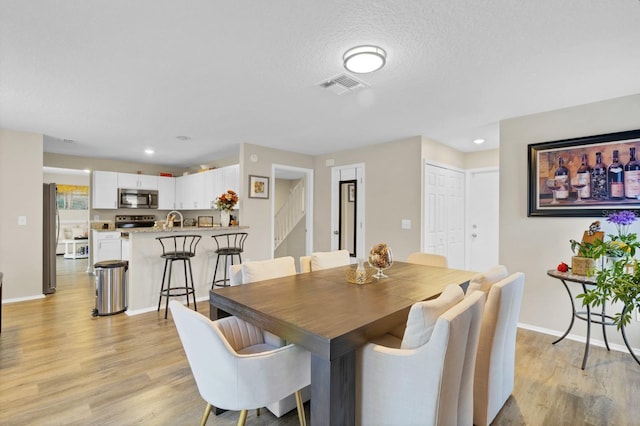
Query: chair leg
[257,411]
[215,272]
[166,306]
[164,273]
[242,418]
[205,416]
[186,281]
[226,268]
[300,405]
[193,287]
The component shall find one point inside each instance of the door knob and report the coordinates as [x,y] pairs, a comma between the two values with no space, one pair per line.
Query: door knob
[474,235]
[336,232]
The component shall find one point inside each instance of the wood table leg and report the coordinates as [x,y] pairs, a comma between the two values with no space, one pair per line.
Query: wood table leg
[333,390]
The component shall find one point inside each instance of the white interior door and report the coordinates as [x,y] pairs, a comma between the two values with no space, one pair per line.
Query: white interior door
[444,213]
[483,223]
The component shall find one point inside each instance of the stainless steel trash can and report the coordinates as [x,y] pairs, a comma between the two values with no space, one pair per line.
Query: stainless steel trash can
[111,287]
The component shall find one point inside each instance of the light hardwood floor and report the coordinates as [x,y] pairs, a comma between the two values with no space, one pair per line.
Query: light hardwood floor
[59,365]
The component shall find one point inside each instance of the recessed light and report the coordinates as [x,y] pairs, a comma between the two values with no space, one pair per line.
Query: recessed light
[183,138]
[364,59]
[149,151]
[478,141]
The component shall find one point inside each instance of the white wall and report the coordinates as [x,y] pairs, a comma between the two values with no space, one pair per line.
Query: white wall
[393,191]
[534,245]
[21,195]
[254,212]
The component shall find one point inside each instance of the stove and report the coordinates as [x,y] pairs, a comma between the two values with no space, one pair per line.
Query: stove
[138,221]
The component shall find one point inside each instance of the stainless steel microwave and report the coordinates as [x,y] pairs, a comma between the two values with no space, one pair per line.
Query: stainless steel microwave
[137,198]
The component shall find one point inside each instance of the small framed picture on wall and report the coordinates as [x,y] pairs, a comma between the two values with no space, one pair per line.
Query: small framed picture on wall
[258,187]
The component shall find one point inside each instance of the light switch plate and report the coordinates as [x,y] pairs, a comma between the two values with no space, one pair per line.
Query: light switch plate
[406,223]
[22,220]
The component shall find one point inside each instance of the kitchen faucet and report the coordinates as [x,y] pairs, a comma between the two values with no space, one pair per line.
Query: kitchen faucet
[179,214]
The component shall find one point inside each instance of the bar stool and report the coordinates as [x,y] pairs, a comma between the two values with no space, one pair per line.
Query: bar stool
[228,245]
[183,248]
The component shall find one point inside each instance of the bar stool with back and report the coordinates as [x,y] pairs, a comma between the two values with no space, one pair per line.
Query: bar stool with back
[177,248]
[227,245]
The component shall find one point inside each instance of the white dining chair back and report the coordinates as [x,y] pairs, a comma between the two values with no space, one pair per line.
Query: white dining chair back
[259,270]
[235,274]
[495,363]
[428,384]
[324,260]
[428,259]
[235,367]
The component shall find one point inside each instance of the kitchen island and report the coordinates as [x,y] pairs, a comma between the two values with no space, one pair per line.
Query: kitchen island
[146,265]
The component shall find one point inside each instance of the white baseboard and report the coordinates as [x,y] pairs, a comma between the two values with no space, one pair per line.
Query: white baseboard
[23,299]
[153,308]
[575,337]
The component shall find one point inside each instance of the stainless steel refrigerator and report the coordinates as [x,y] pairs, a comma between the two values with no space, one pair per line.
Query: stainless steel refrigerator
[50,229]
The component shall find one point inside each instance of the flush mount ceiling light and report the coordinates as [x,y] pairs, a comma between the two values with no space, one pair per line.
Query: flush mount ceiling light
[478,141]
[149,151]
[364,59]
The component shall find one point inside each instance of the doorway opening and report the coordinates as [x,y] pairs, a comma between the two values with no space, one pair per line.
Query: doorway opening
[348,218]
[347,209]
[292,211]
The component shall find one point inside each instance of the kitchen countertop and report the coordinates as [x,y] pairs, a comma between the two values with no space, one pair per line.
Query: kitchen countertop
[174,229]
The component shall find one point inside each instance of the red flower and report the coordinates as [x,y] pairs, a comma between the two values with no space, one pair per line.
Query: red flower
[563,267]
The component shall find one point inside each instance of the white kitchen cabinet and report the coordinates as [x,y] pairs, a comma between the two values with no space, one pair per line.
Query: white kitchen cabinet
[213,187]
[166,193]
[136,181]
[126,249]
[104,190]
[106,246]
[231,180]
[190,192]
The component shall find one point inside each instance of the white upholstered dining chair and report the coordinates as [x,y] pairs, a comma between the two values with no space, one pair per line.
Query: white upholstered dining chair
[238,367]
[428,259]
[251,271]
[427,377]
[495,362]
[324,260]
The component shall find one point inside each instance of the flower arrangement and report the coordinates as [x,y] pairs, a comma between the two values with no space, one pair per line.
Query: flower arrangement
[227,200]
[624,242]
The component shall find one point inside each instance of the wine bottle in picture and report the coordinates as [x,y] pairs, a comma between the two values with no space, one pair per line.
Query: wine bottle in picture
[562,176]
[632,176]
[599,189]
[584,178]
[615,178]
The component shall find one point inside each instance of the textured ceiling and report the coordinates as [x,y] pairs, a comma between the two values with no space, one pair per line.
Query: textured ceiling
[116,77]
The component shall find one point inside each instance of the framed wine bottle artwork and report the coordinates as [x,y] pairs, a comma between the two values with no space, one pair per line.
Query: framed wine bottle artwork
[584,177]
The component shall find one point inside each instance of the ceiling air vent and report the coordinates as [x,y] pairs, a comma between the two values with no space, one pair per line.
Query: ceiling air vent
[342,84]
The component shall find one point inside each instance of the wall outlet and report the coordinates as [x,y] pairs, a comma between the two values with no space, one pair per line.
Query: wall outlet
[406,223]
[22,220]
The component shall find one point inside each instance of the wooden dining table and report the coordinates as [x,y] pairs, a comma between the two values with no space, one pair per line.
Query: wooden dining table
[324,313]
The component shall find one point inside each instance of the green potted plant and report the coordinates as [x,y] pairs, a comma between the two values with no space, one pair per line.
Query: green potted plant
[586,254]
[619,281]
[587,251]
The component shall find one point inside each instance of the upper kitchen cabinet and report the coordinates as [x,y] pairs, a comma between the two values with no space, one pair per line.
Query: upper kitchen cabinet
[231,178]
[219,181]
[104,190]
[190,192]
[213,187]
[136,181]
[166,193]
